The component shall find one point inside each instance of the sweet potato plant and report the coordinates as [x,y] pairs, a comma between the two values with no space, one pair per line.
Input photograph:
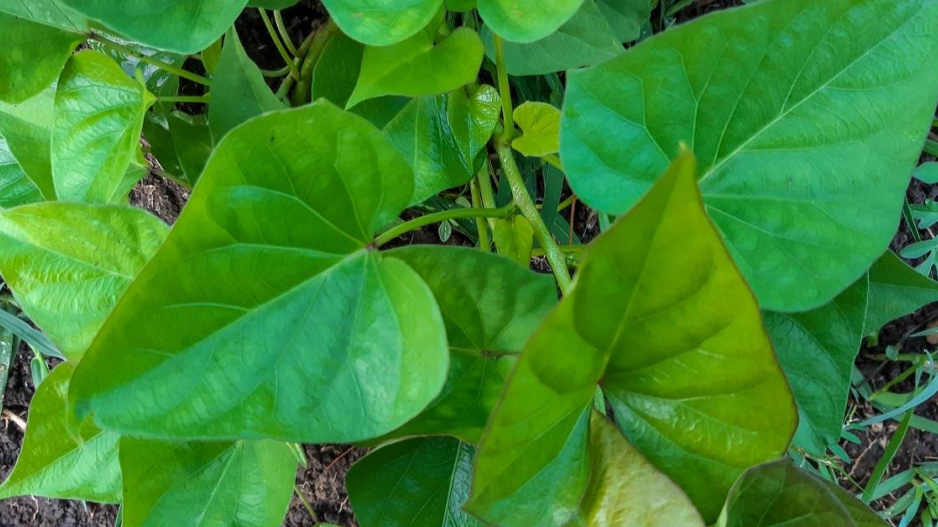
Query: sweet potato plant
[747,171]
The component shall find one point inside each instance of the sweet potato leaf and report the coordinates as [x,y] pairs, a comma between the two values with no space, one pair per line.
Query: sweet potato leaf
[382,22]
[339,344]
[896,290]
[27,129]
[31,56]
[790,106]
[15,186]
[540,126]
[626,17]
[526,20]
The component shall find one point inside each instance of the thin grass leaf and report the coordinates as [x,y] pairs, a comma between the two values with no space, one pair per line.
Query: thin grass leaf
[894,443]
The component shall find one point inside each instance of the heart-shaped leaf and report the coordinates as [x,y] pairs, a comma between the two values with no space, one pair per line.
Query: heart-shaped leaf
[247,483]
[791,109]
[626,17]
[540,124]
[31,56]
[443,137]
[301,191]
[182,26]
[26,128]
[526,20]
[96,133]
[59,462]
[382,22]
[68,263]
[415,67]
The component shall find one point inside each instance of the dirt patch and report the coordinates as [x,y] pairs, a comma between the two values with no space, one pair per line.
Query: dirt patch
[322,483]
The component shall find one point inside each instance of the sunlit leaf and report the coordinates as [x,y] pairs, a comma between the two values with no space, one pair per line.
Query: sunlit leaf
[382,22]
[526,20]
[540,126]
[31,56]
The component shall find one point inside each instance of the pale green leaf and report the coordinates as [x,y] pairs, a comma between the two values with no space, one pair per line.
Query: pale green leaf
[58,461]
[540,126]
[526,20]
[99,114]
[68,264]
[339,344]
[27,129]
[46,12]
[15,186]
[31,56]
[416,67]
[514,238]
[382,22]
[791,108]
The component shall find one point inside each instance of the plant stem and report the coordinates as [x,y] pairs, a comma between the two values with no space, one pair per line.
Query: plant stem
[278,44]
[566,203]
[556,258]
[439,217]
[194,99]
[284,34]
[276,73]
[480,222]
[505,90]
[323,35]
[179,72]
[306,503]
[484,177]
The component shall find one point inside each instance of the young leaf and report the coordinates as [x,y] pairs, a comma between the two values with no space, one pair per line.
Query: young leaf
[57,462]
[514,238]
[247,483]
[68,263]
[443,137]
[805,155]
[27,129]
[31,56]
[927,173]
[421,481]
[182,26]
[778,493]
[15,187]
[338,345]
[239,91]
[96,131]
[540,124]
[585,40]
[526,20]
[626,17]
[382,22]
[625,489]
[415,67]
[491,307]
[896,290]
[705,359]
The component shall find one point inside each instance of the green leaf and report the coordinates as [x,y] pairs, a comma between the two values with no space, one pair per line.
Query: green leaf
[31,56]
[239,91]
[248,484]
[421,481]
[460,6]
[896,290]
[69,263]
[927,173]
[301,192]
[15,187]
[415,67]
[272,4]
[626,17]
[703,400]
[514,238]
[181,26]
[625,489]
[585,40]
[59,461]
[804,153]
[540,124]
[443,137]
[46,12]
[382,22]
[27,129]
[778,493]
[526,20]
[491,307]
[192,140]
[98,119]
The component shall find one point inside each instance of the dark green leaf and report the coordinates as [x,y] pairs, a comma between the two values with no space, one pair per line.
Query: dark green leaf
[896,290]
[272,4]
[382,22]
[626,17]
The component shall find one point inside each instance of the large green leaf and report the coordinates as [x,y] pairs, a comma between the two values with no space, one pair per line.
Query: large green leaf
[585,40]
[625,489]
[443,137]
[46,12]
[239,91]
[68,263]
[27,129]
[418,482]
[626,17]
[335,344]
[182,26]
[31,56]
[526,20]
[99,114]
[58,461]
[790,106]
[15,187]
[491,307]
[778,493]
[677,339]
[382,22]
[415,67]
[246,483]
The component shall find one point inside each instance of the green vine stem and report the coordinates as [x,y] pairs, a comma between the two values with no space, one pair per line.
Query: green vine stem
[284,34]
[294,71]
[480,222]
[323,35]
[193,99]
[440,217]
[486,193]
[505,90]
[179,72]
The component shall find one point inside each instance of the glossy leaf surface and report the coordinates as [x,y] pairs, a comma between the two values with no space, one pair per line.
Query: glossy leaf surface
[248,484]
[382,22]
[99,114]
[26,128]
[790,107]
[540,124]
[421,481]
[339,345]
[526,20]
[416,67]
[31,56]
[15,187]
[68,264]
[59,462]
